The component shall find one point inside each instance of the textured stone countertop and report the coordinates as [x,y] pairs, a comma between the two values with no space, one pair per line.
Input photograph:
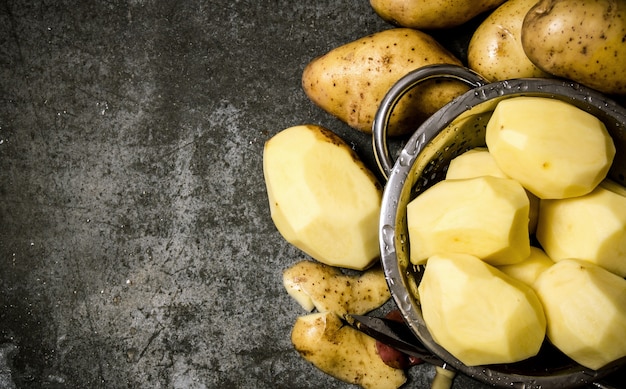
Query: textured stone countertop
[136,246]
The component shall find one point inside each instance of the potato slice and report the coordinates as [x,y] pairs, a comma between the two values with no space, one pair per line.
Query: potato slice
[326,288]
[554,149]
[479,162]
[479,314]
[590,227]
[483,216]
[530,268]
[322,198]
[585,307]
[343,352]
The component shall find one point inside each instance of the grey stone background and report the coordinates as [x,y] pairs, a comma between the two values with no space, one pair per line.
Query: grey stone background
[136,247]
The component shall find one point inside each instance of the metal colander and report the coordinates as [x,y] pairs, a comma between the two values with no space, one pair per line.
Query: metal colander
[454,129]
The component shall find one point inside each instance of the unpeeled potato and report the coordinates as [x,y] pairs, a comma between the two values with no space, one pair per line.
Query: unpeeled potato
[580,40]
[422,14]
[495,50]
[350,81]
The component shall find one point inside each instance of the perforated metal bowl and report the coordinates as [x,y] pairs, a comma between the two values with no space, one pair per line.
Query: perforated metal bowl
[456,128]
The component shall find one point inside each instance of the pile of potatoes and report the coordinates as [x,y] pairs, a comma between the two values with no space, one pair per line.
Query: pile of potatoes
[582,41]
[325,201]
[491,294]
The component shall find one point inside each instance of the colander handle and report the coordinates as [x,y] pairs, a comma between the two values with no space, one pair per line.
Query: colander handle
[398,90]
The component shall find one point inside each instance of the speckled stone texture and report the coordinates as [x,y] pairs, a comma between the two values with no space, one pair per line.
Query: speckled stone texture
[136,246]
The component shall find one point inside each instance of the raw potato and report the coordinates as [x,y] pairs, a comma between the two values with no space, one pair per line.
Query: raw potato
[585,307]
[479,162]
[579,40]
[530,268]
[614,187]
[326,288]
[422,14]
[484,216]
[590,227]
[495,50]
[322,198]
[554,149]
[479,314]
[443,378]
[474,163]
[350,81]
[343,352]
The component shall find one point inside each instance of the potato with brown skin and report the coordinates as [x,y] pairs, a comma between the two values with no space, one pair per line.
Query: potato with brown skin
[495,50]
[422,14]
[350,81]
[581,40]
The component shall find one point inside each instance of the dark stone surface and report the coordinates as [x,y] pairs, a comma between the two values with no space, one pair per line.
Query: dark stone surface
[136,247]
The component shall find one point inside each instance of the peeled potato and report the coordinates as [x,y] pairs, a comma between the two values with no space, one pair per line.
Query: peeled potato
[350,81]
[479,314]
[479,162]
[554,149]
[590,227]
[484,216]
[614,187]
[326,288]
[343,352]
[530,268]
[585,307]
[322,198]
[474,163]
